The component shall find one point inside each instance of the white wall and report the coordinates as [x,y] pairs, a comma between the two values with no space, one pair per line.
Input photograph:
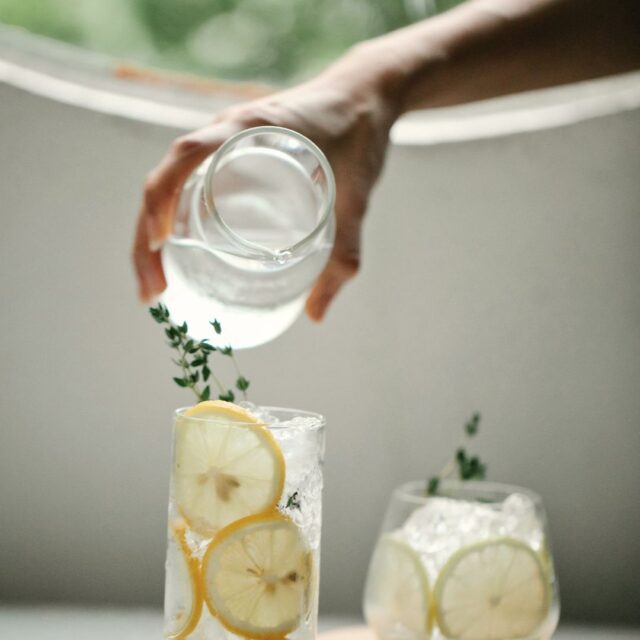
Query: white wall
[499,275]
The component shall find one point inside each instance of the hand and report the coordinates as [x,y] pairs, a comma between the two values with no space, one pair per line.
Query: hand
[342,111]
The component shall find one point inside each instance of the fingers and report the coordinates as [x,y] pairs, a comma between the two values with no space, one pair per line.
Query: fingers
[164,183]
[147,264]
[161,192]
[343,264]
[331,280]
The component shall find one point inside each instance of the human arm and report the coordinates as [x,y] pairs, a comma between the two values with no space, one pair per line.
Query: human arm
[484,48]
[488,48]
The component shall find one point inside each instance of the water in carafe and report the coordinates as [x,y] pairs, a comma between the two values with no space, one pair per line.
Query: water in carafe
[254,228]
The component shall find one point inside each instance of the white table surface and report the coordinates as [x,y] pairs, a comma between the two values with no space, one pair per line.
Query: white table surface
[105,623]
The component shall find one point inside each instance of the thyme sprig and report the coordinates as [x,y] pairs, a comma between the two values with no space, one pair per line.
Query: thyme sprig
[193,359]
[293,501]
[467,467]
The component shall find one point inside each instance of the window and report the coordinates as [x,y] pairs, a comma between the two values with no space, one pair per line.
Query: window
[272,40]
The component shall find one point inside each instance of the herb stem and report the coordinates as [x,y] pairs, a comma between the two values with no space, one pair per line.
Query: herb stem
[237,368]
[193,358]
[218,383]
[448,469]
[187,371]
[468,467]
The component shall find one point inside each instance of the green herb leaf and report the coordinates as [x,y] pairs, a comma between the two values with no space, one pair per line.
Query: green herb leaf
[192,357]
[465,466]
[157,314]
[465,471]
[472,426]
[293,501]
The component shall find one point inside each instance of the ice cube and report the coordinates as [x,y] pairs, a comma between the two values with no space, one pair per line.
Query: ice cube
[306,509]
[443,525]
[301,446]
[261,413]
[523,520]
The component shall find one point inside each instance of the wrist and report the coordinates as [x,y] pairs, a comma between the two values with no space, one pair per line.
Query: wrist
[402,67]
[381,73]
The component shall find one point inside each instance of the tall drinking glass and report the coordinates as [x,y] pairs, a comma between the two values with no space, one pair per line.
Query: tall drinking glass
[244,525]
[472,563]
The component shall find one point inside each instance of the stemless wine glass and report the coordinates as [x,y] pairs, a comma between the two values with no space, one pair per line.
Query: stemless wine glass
[472,563]
[244,524]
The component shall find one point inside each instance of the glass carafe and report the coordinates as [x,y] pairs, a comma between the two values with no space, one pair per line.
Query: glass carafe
[254,227]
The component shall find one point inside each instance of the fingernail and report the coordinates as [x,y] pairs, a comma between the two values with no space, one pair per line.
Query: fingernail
[155,245]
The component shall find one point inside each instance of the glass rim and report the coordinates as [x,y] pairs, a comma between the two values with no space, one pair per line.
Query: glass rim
[327,208]
[414,491]
[318,424]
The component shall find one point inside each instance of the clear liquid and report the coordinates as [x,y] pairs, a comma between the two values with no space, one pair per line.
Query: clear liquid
[255,285]
[265,197]
[235,296]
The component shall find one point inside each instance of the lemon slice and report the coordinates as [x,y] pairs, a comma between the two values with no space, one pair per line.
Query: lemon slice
[183,598]
[227,466]
[494,590]
[257,577]
[397,593]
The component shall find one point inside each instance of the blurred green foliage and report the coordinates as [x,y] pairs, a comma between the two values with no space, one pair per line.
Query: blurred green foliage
[273,40]
[40,17]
